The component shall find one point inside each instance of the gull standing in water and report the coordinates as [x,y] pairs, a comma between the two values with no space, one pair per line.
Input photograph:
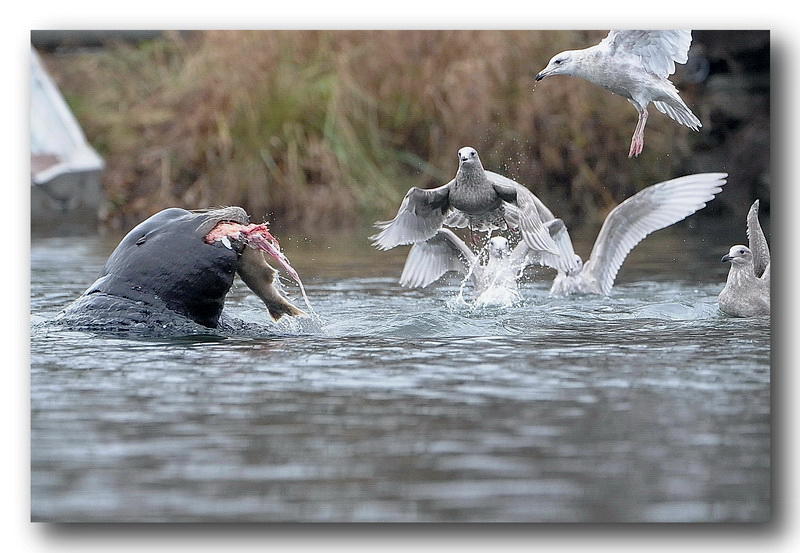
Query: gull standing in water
[746,293]
[656,207]
[635,65]
[475,198]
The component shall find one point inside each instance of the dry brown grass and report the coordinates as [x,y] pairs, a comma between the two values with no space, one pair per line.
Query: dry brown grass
[328,129]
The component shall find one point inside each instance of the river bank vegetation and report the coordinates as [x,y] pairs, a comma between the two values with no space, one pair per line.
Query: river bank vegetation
[317,130]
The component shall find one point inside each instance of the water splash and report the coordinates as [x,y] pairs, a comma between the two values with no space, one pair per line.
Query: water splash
[259,237]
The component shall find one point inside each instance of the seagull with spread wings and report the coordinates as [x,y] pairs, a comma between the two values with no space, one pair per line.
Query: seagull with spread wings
[651,209]
[635,65]
[475,198]
[656,207]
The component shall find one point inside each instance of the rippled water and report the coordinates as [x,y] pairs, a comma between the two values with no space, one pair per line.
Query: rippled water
[406,405]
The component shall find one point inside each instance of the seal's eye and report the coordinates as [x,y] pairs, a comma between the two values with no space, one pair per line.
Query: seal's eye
[472,154]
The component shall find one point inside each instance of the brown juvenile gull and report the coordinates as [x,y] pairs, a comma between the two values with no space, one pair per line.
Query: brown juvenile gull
[635,65]
[475,198]
[746,293]
[647,211]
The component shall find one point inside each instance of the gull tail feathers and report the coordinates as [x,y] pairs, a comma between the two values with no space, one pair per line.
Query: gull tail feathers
[676,109]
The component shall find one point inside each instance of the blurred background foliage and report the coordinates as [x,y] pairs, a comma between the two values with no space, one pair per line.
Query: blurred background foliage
[321,130]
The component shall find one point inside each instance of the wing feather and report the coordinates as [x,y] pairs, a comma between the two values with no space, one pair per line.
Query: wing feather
[757,241]
[657,50]
[420,215]
[565,261]
[456,219]
[647,211]
[563,257]
[526,216]
[429,260]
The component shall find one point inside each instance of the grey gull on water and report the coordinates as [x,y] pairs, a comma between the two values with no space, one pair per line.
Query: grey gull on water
[475,198]
[746,293]
[647,211]
[635,65]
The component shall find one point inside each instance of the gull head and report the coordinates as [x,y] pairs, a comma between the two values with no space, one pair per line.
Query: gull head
[738,255]
[577,265]
[468,156]
[560,64]
[498,247]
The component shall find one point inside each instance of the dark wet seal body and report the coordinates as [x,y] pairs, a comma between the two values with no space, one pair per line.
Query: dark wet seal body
[164,271]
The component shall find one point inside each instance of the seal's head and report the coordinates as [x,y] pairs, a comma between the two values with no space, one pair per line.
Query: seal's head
[165,261]
[738,255]
[560,64]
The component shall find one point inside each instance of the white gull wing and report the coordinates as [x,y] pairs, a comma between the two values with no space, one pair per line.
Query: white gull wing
[647,211]
[564,257]
[521,211]
[420,215]
[566,261]
[657,50]
[757,241]
[428,261]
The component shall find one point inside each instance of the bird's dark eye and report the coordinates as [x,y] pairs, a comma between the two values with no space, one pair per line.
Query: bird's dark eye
[559,62]
[472,154]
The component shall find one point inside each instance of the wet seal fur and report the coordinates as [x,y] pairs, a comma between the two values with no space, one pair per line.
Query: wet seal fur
[163,271]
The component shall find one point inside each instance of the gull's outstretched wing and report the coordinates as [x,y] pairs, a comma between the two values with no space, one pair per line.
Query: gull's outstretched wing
[564,256]
[420,215]
[647,211]
[565,261]
[521,212]
[657,50]
[757,241]
[428,261]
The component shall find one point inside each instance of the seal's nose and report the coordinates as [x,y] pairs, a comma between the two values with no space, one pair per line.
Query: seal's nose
[725,258]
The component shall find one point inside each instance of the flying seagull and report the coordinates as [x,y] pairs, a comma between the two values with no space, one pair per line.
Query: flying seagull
[475,198]
[647,211]
[635,65]
[746,293]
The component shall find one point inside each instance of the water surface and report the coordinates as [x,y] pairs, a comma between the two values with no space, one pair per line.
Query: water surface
[407,405]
